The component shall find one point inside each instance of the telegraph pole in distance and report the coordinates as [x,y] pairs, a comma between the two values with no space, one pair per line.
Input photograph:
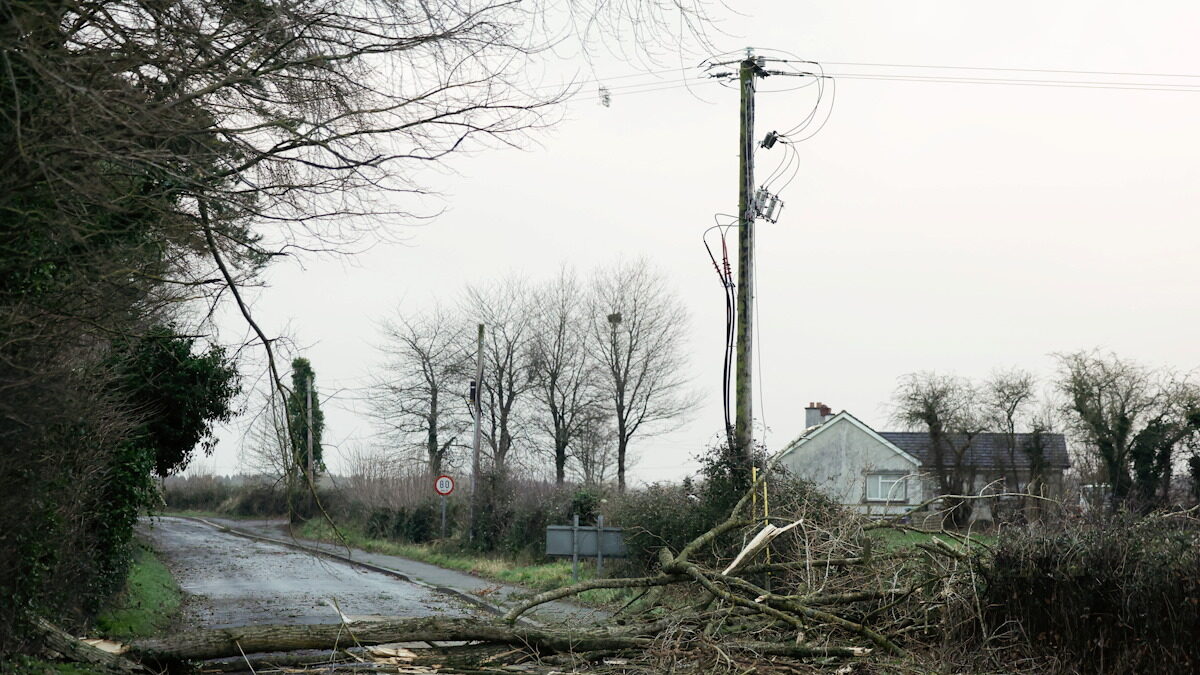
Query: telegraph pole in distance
[743,435]
[312,487]
[477,412]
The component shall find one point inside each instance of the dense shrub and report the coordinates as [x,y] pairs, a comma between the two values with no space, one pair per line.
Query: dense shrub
[512,518]
[513,515]
[673,515]
[660,515]
[1115,596]
[259,500]
[196,493]
[232,496]
[76,480]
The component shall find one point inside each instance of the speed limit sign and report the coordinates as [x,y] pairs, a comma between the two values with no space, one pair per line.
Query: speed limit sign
[444,485]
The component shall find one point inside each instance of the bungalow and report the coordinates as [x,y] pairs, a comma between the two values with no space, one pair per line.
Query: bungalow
[892,472]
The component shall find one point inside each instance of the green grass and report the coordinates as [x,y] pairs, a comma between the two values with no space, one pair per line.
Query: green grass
[536,576]
[893,540]
[148,603]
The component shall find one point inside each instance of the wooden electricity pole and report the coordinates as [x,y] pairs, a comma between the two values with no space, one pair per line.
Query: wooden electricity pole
[312,486]
[477,413]
[743,434]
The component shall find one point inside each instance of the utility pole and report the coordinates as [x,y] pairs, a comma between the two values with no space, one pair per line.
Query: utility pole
[477,413]
[743,435]
[312,487]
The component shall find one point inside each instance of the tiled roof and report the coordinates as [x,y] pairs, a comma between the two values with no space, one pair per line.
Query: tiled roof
[987,451]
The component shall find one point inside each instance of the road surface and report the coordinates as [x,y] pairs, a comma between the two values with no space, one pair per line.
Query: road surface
[234,581]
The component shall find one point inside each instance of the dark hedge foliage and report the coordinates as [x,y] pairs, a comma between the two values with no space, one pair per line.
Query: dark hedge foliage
[1119,596]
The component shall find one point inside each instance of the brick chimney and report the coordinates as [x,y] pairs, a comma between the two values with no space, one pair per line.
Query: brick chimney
[816,413]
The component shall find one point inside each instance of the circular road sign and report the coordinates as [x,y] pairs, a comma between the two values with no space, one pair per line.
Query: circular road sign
[444,485]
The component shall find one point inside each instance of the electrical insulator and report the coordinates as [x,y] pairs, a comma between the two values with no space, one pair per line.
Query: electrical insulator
[767,206]
[774,207]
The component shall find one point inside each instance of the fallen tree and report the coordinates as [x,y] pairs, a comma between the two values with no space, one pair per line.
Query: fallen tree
[808,584]
[220,643]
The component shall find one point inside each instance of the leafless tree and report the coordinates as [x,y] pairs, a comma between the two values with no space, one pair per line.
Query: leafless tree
[1133,417]
[638,336]
[508,378]
[418,399]
[594,450]
[563,371]
[1007,397]
[266,448]
[949,409]
[230,133]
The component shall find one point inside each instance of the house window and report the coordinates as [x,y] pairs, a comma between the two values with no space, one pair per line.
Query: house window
[887,487]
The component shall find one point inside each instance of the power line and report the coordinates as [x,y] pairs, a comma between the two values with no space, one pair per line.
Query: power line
[648,88]
[1064,84]
[1014,70]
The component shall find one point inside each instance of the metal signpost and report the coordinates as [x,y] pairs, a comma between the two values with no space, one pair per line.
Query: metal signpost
[443,485]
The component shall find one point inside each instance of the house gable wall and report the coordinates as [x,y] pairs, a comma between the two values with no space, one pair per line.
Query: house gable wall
[838,458]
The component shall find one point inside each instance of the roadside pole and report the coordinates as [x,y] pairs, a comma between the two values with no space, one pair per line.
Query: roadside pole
[599,546]
[575,548]
[747,212]
[443,485]
[477,412]
[312,487]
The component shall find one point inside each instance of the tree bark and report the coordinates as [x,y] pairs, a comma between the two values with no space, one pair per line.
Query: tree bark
[77,650]
[224,642]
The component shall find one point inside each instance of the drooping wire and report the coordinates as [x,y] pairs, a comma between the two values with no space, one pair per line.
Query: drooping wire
[725,274]
[828,112]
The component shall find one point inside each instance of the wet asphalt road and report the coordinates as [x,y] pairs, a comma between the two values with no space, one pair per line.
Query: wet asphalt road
[234,581]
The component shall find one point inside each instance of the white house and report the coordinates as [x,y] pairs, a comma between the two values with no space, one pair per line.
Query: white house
[892,472]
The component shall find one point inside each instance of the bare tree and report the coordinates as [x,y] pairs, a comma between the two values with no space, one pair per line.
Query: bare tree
[1133,418]
[562,368]
[594,449]
[267,448]
[417,400]
[504,308]
[638,334]
[1007,397]
[950,410]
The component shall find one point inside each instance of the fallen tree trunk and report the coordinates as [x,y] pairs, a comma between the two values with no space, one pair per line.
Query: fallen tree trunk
[223,642]
[74,649]
[238,642]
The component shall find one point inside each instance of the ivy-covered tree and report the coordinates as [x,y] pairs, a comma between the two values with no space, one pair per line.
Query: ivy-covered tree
[304,382]
[1133,418]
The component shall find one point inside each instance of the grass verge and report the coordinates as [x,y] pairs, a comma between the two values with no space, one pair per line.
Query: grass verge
[535,576]
[148,603]
[897,539]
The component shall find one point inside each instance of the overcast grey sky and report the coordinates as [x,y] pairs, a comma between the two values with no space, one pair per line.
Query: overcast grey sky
[931,226]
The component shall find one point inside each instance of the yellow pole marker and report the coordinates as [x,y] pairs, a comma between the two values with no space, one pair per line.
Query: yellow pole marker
[766,517]
[753,493]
